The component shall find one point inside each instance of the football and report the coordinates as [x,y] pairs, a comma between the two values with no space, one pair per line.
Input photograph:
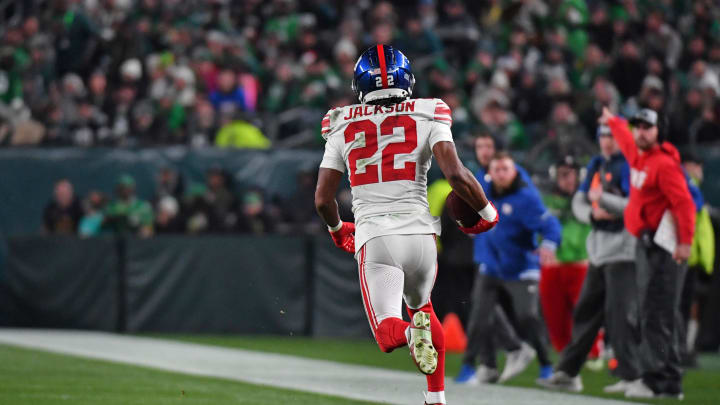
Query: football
[460,211]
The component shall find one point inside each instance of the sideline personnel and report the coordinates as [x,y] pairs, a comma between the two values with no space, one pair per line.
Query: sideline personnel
[510,265]
[658,185]
[609,294]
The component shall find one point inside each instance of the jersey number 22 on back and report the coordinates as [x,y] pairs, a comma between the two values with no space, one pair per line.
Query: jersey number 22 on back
[370,130]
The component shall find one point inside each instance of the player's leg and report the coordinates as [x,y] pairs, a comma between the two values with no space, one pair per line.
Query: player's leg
[419,262]
[443,293]
[381,283]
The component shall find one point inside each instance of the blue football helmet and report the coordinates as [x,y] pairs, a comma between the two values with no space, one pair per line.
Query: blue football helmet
[382,72]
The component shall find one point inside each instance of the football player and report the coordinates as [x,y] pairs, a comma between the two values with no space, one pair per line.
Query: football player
[386,143]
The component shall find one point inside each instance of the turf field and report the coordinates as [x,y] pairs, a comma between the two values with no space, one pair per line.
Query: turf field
[33,377]
[38,377]
[702,386]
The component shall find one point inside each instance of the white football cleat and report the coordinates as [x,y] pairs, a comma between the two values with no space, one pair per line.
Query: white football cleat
[421,348]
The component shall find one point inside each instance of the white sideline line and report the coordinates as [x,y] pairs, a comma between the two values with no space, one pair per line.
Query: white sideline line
[297,373]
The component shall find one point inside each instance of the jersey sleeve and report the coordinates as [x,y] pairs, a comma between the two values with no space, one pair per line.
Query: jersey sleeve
[332,158]
[325,130]
[440,125]
[442,113]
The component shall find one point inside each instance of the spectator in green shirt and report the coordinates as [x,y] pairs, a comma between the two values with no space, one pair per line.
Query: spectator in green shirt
[567,179]
[127,213]
[561,282]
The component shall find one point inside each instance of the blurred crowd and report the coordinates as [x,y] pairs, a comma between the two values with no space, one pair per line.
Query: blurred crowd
[216,206]
[534,73]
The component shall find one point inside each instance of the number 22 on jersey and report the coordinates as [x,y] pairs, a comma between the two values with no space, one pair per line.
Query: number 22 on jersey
[370,131]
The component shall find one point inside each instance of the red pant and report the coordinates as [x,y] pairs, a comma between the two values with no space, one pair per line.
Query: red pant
[560,286]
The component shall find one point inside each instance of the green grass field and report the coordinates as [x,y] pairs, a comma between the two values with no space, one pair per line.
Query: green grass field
[32,377]
[37,377]
[702,386]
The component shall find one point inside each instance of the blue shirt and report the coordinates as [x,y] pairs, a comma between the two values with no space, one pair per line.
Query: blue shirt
[508,251]
[235,97]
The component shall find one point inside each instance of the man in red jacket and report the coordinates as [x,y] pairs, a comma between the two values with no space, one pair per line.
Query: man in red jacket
[657,187]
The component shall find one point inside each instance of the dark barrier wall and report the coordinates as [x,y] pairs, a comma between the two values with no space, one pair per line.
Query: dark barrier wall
[27,175]
[218,284]
[338,309]
[214,284]
[60,282]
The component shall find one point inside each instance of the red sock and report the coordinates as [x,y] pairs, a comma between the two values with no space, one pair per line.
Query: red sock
[390,334]
[436,380]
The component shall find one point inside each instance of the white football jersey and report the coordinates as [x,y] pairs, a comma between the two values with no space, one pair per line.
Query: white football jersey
[387,151]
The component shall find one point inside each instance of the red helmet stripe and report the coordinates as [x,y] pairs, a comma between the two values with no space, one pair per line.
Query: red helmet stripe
[383,67]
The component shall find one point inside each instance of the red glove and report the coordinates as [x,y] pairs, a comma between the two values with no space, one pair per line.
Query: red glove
[344,237]
[482,224]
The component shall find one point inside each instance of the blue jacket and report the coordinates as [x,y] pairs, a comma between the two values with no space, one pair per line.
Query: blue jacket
[508,250]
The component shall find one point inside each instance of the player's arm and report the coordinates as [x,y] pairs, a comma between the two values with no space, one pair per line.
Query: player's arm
[460,178]
[342,233]
[325,203]
[331,172]
[464,183]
